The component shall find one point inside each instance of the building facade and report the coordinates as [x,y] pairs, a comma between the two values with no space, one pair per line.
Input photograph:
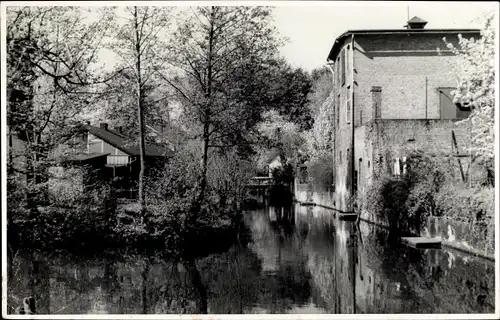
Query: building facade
[392,92]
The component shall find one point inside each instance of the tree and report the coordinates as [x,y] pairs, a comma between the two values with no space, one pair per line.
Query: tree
[140,45]
[475,68]
[221,54]
[288,91]
[320,137]
[51,56]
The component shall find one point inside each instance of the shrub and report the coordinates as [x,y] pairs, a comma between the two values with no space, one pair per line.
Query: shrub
[321,172]
[405,202]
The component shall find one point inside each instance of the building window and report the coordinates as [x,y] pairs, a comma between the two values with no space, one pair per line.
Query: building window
[360,162]
[338,70]
[399,167]
[337,108]
[377,102]
[355,181]
[342,66]
[449,109]
[340,157]
[348,105]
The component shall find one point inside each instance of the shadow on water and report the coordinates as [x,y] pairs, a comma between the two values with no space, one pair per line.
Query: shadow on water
[294,260]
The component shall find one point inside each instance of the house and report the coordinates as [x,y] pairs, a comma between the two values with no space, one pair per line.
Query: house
[273,162]
[111,155]
[391,93]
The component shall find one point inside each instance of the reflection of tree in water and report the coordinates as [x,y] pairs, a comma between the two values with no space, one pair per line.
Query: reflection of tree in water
[464,286]
[390,261]
[120,283]
[425,281]
[236,283]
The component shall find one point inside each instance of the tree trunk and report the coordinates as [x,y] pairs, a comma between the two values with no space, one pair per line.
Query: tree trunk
[206,128]
[140,111]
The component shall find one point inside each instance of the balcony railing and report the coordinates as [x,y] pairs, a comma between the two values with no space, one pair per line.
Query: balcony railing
[119,160]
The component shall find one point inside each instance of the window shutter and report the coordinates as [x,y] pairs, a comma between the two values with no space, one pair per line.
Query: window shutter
[448,108]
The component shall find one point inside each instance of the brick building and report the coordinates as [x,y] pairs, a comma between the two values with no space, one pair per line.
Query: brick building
[392,92]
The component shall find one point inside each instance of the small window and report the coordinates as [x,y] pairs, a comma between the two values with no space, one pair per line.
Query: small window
[449,109]
[338,110]
[355,181]
[342,66]
[399,166]
[339,69]
[340,157]
[348,105]
[377,101]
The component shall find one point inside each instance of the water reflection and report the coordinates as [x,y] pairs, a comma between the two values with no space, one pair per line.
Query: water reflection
[301,260]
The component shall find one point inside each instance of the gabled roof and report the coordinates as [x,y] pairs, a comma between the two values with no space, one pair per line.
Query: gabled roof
[273,154]
[416,19]
[125,143]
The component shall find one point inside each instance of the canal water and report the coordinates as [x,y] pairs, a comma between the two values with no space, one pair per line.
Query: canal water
[300,260]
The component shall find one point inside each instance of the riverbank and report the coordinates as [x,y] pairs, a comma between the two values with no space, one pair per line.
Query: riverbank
[454,234]
[304,262]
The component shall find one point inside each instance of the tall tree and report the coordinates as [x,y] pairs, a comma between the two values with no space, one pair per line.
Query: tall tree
[51,56]
[220,53]
[475,68]
[140,43]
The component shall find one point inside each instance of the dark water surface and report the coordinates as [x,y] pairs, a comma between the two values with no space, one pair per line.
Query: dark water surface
[300,261]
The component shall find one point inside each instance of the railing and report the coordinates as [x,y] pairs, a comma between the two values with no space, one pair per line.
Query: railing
[117,160]
[260,181]
[126,193]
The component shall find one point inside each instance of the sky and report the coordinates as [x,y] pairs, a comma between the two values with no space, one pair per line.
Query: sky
[312,28]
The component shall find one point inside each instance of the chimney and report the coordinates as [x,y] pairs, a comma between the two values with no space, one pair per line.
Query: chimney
[416,23]
[104,126]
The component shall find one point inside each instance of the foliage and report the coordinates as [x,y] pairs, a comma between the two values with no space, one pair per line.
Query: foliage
[287,92]
[475,69]
[321,172]
[219,57]
[285,136]
[320,137]
[404,203]
[75,221]
[137,42]
[51,80]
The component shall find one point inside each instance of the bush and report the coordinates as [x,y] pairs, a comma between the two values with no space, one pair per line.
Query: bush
[321,172]
[405,202]
[75,219]
[475,206]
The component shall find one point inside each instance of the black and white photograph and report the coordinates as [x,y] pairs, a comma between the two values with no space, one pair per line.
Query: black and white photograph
[206,159]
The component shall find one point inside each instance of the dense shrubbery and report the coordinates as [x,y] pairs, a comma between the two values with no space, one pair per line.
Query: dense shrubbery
[321,172]
[280,194]
[77,219]
[170,221]
[429,187]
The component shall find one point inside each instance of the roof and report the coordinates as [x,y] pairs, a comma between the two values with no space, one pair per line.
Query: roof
[85,157]
[416,19]
[273,153]
[123,142]
[337,45]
